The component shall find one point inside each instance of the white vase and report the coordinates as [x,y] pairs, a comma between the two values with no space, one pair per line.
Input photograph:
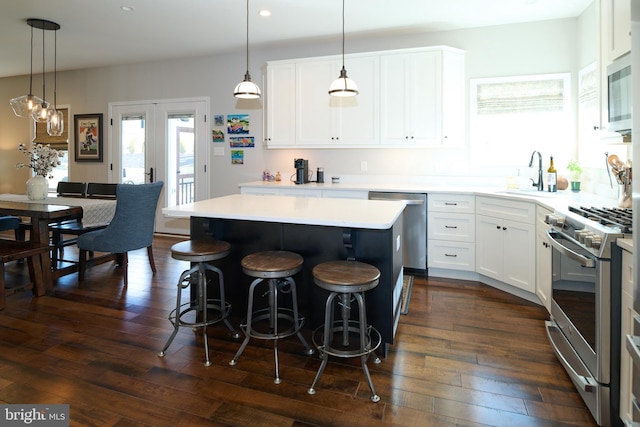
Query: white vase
[37,187]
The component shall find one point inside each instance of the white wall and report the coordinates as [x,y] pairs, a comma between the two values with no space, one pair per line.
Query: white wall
[543,47]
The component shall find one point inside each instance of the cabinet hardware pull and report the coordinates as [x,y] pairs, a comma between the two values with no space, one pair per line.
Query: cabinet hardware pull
[504,228]
[450,226]
[451,255]
[450,204]
[497,227]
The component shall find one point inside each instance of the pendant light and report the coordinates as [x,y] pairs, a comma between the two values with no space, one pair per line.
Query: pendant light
[343,85]
[23,105]
[55,118]
[40,111]
[247,89]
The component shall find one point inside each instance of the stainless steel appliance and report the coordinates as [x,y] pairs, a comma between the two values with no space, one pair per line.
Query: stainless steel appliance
[302,171]
[619,90]
[414,232]
[584,329]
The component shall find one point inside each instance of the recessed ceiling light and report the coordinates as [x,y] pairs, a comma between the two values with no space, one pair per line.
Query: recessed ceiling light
[265,12]
[127,8]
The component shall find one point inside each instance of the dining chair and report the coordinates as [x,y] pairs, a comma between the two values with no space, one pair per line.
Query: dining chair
[101,190]
[74,227]
[131,228]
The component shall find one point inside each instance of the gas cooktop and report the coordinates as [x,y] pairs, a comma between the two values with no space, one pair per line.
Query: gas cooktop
[620,218]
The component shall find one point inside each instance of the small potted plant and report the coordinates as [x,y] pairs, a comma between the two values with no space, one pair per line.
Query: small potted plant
[575,172]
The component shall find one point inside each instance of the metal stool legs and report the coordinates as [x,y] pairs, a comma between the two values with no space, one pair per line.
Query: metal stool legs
[272,314]
[202,305]
[345,326]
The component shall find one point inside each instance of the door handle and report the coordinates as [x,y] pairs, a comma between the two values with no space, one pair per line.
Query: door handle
[150,173]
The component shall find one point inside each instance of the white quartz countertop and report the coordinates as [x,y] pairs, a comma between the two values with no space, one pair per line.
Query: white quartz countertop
[558,200]
[626,244]
[355,213]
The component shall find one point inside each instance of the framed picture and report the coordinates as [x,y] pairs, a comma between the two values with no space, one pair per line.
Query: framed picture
[88,137]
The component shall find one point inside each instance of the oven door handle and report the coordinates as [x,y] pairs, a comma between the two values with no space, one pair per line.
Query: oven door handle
[583,260]
[581,381]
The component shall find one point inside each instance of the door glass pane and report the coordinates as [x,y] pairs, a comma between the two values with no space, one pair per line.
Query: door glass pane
[181,156]
[133,148]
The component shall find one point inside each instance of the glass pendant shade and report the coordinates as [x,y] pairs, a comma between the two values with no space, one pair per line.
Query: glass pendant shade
[343,85]
[247,89]
[40,111]
[23,105]
[55,122]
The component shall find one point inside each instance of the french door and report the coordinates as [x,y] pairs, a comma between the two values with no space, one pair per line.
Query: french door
[162,141]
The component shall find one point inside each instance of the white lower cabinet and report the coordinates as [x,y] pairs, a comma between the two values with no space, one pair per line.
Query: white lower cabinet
[505,241]
[543,258]
[627,318]
[451,231]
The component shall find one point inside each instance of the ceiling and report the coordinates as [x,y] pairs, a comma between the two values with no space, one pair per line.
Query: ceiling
[97,33]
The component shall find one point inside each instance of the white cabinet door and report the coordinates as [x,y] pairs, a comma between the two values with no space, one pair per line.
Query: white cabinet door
[409,98]
[616,31]
[543,259]
[489,246]
[323,120]
[505,251]
[280,111]
[626,363]
[519,255]
[316,112]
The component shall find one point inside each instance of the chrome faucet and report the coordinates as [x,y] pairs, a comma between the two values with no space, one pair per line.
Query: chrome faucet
[538,184]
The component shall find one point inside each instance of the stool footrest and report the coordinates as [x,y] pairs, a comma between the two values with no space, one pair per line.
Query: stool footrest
[265,314]
[212,304]
[373,340]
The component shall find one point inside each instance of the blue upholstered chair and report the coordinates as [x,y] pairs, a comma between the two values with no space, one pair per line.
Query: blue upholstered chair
[131,228]
[9,223]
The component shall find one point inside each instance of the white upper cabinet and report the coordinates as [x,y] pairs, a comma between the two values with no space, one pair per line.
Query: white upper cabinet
[401,100]
[281,80]
[414,107]
[323,120]
[615,28]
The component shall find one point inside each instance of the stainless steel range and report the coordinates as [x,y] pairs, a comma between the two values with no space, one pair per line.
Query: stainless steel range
[582,330]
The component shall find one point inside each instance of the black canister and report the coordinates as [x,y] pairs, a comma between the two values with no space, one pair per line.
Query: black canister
[320,175]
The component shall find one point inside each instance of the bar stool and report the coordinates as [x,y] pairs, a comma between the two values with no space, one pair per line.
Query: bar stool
[347,281]
[199,252]
[277,269]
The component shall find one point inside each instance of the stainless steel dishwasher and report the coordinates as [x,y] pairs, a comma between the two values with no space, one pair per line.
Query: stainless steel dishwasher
[414,234]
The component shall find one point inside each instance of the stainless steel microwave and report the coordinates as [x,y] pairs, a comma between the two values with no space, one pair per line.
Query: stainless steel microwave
[619,89]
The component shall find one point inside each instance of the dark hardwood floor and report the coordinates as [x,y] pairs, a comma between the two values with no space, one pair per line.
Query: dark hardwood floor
[465,355]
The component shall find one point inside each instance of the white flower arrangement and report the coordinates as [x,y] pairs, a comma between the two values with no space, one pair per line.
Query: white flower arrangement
[42,159]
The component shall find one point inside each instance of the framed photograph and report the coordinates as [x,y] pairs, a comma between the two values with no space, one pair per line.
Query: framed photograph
[88,137]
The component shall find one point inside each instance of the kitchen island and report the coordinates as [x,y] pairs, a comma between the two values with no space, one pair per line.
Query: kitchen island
[319,230]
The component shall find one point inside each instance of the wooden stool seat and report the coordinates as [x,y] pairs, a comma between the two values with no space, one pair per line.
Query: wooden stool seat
[272,264]
[346,276]
[200,251]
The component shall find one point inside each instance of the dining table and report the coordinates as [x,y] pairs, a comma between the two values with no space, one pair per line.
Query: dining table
[41,213]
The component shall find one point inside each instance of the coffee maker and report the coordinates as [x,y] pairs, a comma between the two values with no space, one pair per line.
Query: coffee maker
[302,171]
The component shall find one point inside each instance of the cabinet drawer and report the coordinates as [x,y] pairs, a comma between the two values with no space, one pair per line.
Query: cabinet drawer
[451,226]
[451,255]
[451,202]
[506,209]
